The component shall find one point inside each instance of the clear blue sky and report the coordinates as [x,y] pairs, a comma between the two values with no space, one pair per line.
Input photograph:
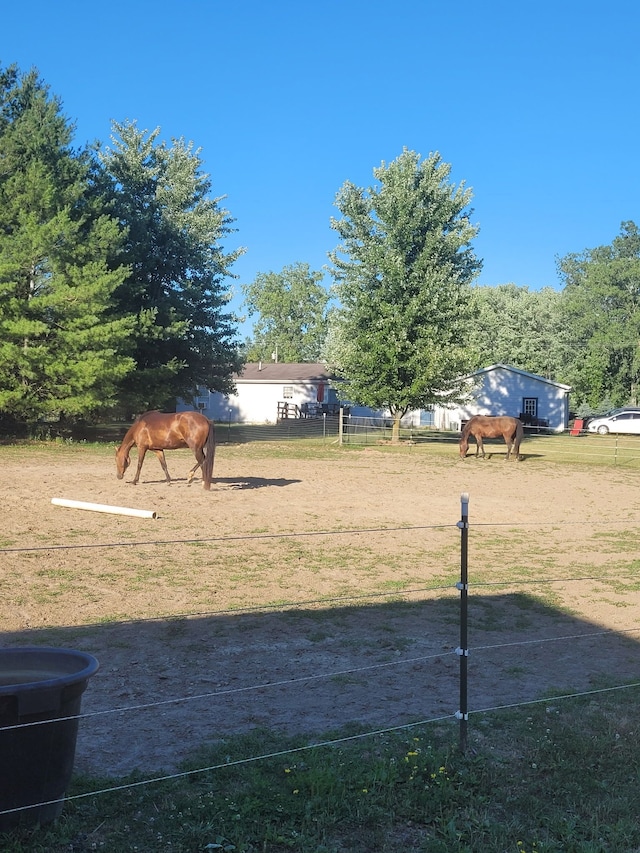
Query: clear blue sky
[534,104]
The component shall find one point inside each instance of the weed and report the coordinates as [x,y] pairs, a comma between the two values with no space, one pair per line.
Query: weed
[558,778]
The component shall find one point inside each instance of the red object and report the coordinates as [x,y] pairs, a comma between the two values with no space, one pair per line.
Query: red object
[578,426]
[320,394]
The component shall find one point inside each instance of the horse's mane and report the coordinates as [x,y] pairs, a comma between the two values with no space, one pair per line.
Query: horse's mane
[144,415]
[466,428]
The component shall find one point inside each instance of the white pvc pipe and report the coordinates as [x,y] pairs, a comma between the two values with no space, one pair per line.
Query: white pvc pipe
[118,510]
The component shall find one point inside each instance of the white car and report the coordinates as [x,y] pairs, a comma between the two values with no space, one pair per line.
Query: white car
[625,420]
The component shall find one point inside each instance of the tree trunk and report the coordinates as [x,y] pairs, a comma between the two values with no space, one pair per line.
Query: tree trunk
[395,432]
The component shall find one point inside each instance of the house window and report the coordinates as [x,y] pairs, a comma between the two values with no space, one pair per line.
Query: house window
[287,392]
[426,417]
[530,406]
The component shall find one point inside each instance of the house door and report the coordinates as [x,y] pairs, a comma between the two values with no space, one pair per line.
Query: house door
[530,409]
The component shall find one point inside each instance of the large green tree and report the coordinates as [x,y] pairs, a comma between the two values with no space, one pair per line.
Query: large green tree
[292,314]
[517,326]
[185,335]
[60,343]
[401,273]
[601,308]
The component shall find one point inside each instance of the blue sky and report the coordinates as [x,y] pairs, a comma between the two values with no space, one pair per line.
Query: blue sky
[534,105]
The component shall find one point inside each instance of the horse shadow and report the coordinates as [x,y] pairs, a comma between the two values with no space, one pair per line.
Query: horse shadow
[235,483]
[523,457]
[490,455]
[253,482]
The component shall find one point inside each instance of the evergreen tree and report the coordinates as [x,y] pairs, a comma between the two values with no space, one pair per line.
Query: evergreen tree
[184,336]
[60,346]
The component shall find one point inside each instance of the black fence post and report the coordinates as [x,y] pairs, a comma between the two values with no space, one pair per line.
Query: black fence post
[463,650]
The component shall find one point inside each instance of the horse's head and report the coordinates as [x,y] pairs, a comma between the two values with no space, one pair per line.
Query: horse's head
[122,462]
[464,446]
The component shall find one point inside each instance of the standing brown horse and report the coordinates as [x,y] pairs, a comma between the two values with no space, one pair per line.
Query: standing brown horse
[483,426]
[158,432]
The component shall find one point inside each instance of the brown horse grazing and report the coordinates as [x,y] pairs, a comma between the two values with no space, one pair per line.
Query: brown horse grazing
[158,432]
[483,426]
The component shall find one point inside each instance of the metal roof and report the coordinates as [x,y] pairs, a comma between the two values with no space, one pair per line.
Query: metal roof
[526,373]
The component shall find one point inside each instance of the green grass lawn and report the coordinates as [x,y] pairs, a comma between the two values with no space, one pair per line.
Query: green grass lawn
[553,777]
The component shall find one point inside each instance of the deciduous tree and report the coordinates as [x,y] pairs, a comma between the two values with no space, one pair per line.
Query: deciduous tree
[601,306]
[517,326]
[293,318]
[401,274]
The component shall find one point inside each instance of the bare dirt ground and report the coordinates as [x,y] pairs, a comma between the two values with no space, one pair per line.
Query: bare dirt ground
[304,593]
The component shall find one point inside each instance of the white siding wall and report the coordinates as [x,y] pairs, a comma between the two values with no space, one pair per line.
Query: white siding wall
[501,392]
[498,391]
[254,402]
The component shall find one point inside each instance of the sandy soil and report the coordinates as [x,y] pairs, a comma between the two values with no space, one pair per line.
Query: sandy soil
[305,593]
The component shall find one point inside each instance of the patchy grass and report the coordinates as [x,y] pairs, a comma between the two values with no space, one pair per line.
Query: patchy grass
[551,778]
[558,778]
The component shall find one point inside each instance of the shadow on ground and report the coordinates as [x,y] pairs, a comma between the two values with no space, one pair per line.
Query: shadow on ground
[167,686]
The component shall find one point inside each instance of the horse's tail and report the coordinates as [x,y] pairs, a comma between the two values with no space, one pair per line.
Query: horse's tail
[518,438]
[209,454]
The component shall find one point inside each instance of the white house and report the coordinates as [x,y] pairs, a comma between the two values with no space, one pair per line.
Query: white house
[503,390]
[268,390]
[495,390]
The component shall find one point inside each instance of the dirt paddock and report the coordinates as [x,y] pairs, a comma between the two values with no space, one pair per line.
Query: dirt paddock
[309,590]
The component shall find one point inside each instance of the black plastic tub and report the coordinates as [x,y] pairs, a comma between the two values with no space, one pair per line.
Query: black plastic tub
[40,696]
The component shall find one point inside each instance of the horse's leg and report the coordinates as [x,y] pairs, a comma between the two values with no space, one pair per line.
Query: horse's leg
[199,454]
[513,446]
[141,454]
[163,462]
[479,446]
[517,440]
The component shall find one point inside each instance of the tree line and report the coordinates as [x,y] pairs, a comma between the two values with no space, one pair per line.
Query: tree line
[407,321]
[114,295]
[112,267]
